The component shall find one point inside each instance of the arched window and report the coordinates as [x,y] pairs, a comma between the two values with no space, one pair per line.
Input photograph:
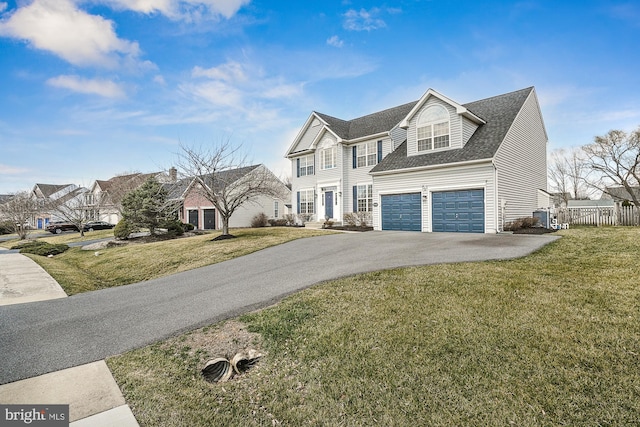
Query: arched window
[433,128]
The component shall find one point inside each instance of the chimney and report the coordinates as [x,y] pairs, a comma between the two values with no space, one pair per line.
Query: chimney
[173,174]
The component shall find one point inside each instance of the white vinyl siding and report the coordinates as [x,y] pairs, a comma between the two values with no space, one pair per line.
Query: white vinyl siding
[308,137]
[468,129]
[398,136]
[355,176]
[521,162]
[442,179]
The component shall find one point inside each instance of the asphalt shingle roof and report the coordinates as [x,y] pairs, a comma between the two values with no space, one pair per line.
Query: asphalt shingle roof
[620,193]
[498,112]
[382,121]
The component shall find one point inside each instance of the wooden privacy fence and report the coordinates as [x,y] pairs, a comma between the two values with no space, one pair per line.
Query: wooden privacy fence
[623,215]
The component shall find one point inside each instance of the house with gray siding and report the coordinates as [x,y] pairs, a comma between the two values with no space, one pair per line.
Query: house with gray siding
[430,165]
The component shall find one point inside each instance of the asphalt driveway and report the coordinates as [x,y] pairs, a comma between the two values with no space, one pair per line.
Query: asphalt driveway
[42,337]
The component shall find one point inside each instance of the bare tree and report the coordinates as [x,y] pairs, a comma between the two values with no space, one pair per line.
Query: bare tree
[76,207]
[17,210]
[222,175]
[568,174]
[614,159]
[559,174]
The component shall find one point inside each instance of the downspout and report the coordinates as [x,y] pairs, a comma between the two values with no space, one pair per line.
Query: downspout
[499,211]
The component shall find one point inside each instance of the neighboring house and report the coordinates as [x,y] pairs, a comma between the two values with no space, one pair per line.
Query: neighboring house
[429,165]
[620,195]
[106,195]
[47,194]
[591,204]
[201,213]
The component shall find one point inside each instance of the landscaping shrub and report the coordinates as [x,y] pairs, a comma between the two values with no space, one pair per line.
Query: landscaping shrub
[41,248]
[259,220]
[520,223]
[188,227]
[290,220]
[6,227]
[350,219]
[357,219]
[123,229]
[174,227]
[281,222]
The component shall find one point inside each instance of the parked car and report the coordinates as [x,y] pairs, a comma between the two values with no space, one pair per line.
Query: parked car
[97,225]
[58,227]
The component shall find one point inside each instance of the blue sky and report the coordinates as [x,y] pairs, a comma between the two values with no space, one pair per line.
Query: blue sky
[94,88]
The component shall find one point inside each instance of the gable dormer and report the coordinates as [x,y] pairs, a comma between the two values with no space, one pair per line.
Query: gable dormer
[307,135]
[437,123]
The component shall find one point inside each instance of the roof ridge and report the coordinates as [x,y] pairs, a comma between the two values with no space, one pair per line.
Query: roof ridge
[498,96]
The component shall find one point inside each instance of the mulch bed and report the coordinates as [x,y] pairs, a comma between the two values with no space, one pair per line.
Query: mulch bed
[347,228]
[534,230]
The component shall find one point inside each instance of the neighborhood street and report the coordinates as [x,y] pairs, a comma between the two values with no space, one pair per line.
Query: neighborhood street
[46,336]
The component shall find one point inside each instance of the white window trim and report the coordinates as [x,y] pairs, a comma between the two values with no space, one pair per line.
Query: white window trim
[367,200]
[332,152]
[374,152]
[308,201]
[308,163]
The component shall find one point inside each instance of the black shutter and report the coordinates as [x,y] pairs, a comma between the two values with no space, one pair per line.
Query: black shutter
[298,167]
[379,151]
[355,155]
[355,198]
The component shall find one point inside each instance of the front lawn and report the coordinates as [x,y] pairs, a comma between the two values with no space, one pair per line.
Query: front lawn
[78,270]
[550,339]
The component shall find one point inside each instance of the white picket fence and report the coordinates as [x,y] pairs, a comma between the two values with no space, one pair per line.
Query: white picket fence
[624,215]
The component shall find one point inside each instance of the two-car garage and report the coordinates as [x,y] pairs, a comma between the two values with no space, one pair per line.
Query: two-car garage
[451,211]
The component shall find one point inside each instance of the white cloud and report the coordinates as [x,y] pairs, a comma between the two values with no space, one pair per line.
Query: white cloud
[160,80]
[12,170]
[230,72]
[59,27]
[236,85]
[363,20]
[3,6]
[188,10]
[335,41]
[101,87]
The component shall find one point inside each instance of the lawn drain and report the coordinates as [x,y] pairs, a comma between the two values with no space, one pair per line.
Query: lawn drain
[221,369]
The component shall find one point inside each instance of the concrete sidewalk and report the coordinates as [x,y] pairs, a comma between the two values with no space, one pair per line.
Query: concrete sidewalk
[92,394]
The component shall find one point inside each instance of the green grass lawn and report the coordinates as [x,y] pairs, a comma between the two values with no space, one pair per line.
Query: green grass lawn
[67,237]
[550,339]
[78,270]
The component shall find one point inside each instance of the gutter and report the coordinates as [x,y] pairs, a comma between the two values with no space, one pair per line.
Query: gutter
[432,167]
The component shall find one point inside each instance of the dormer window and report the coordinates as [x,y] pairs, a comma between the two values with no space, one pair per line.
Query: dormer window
[433,128]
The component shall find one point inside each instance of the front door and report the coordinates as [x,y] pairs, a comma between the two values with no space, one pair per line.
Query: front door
[328,204]
[209,219]
[193,218]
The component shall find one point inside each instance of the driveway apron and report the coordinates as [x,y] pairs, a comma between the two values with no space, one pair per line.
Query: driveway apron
[41,337]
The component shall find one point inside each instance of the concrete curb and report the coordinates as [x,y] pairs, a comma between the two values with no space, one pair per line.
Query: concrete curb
[92,394]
